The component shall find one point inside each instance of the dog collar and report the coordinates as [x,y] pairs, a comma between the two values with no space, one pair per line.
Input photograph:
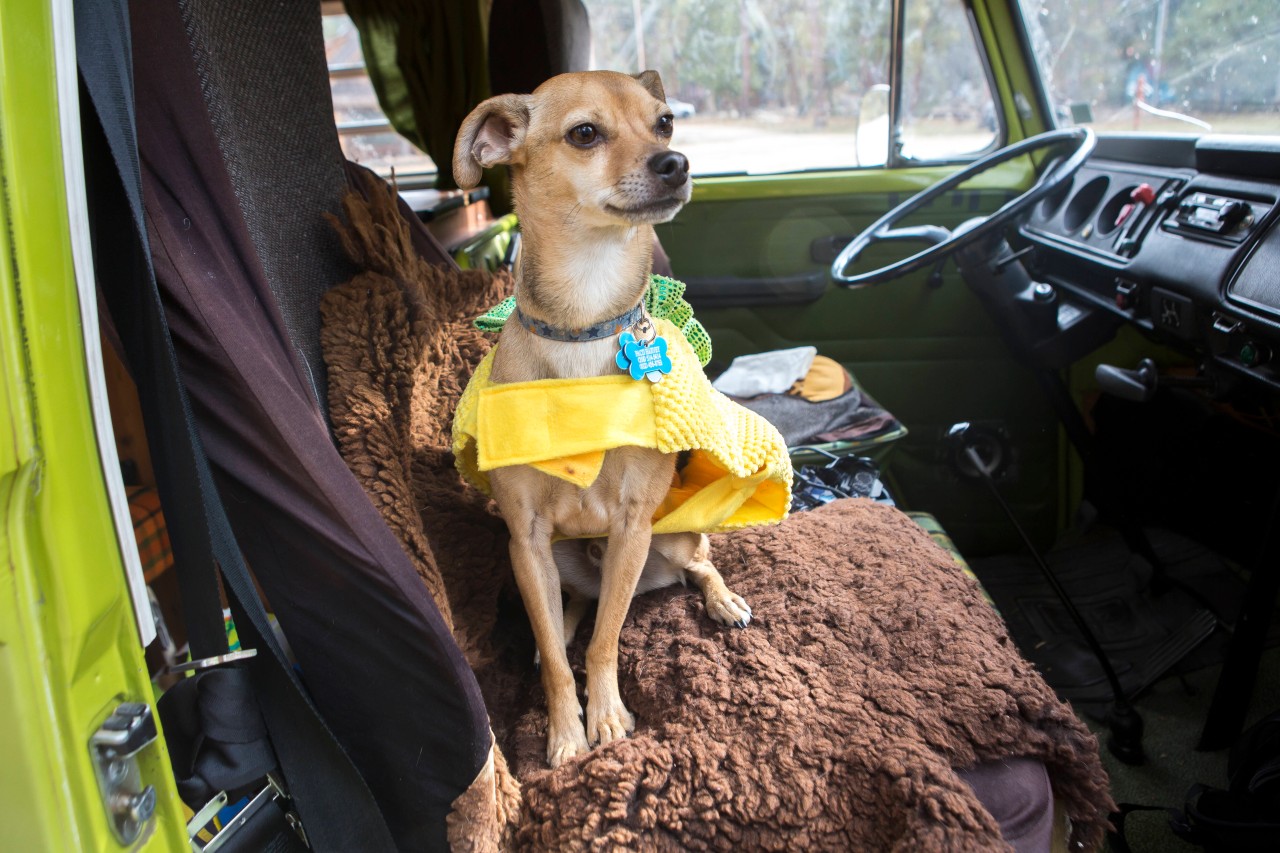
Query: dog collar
[607,329]
[663,300]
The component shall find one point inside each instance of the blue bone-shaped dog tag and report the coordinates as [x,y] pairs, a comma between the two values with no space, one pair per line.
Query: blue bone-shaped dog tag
[643,360]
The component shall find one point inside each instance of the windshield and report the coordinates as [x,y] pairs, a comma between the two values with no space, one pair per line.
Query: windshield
[1160,66]
[768,86]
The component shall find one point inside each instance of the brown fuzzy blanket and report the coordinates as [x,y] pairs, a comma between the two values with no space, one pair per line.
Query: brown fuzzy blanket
[871,670]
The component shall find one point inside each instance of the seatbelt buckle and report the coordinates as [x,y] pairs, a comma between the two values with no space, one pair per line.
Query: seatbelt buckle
[249,821]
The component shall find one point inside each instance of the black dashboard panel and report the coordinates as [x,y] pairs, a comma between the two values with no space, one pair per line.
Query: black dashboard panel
[1178,236]
[1256,283]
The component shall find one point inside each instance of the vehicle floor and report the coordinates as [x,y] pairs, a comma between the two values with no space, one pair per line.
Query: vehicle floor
[1165,646]
[1173,711]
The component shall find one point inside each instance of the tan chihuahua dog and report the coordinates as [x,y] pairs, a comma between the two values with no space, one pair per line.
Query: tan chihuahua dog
[592,172]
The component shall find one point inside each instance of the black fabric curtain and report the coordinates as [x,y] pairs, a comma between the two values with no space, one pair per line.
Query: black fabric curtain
[429,65]
[372,648]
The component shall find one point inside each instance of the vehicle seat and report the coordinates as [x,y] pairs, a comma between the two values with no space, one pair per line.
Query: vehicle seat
[235,185]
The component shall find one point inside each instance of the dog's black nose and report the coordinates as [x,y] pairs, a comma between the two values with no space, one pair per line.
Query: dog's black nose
[671,167]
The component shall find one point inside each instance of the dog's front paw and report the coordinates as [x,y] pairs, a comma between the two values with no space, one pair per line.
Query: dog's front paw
[607,723]
[728,608]
[565,742]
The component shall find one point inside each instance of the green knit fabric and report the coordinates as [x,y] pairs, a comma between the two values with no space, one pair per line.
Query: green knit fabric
[663,299]
[496,317]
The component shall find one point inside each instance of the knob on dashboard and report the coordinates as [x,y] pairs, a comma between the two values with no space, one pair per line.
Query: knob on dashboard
[1138,385]
[1253,354]
[1233,214]
[1143,194]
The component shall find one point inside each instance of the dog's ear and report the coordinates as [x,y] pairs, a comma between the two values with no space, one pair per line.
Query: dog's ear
[491,135]
[652,83]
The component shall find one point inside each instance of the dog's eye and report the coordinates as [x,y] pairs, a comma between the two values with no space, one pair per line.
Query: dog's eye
[665,125]
[583,135]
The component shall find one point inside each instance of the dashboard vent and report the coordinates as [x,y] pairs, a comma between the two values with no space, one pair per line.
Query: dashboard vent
[1258,280]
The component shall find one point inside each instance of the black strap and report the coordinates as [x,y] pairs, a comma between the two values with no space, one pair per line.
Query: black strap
[337,808]
[217,738]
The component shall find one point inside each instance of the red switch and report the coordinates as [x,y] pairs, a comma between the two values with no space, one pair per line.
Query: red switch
[1142,194]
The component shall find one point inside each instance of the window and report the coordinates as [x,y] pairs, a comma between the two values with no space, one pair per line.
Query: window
[1160,66]
[761,86]
[947,108]
[364,132]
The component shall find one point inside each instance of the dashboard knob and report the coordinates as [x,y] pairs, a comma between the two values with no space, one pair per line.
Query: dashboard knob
[1143,194]
[1253,354]
[1233,213]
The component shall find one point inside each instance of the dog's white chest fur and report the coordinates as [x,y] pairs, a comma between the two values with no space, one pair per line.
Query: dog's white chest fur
[595,276]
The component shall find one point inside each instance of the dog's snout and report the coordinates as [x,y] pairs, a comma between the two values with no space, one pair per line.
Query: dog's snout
[671,167]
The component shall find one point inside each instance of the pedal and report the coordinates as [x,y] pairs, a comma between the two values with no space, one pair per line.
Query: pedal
[1177,646]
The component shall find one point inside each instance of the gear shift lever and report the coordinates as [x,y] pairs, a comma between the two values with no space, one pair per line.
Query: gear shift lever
[1126,725]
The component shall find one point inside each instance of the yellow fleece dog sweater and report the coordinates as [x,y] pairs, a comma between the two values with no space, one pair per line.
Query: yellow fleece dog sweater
[738,473]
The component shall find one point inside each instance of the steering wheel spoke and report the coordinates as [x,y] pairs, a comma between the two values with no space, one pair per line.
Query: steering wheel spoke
[933,234]
[943,242]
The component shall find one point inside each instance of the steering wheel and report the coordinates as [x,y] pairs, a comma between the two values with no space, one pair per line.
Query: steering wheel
[1081,142]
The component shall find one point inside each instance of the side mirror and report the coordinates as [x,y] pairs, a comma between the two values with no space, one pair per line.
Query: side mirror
[1080,112]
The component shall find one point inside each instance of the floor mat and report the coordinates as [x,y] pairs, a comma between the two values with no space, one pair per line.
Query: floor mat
[1147,629]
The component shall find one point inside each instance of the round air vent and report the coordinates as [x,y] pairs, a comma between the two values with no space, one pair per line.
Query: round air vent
[1084,202]
[1049,206]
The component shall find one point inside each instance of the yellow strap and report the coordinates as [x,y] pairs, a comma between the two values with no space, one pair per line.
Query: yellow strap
[581,470]
[709,498]
[559,418]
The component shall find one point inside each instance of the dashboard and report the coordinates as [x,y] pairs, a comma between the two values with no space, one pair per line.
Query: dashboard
[1179,236]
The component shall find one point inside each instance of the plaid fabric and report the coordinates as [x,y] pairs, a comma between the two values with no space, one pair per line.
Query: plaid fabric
[149,531]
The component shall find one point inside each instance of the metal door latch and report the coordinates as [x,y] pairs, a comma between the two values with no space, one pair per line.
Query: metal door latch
[114,748]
